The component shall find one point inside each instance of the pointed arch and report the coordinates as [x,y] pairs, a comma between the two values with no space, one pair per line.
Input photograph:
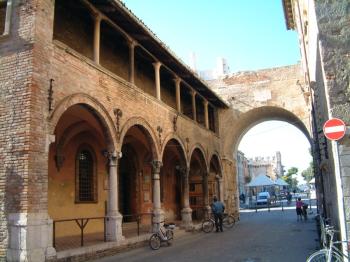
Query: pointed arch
[179,140]
[95,107]
[201,149]
[148,131]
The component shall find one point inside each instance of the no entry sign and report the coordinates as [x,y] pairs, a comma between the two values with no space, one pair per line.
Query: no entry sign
[334,129]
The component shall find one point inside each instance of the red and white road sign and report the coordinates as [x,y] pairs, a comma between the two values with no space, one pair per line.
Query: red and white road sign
[334,129]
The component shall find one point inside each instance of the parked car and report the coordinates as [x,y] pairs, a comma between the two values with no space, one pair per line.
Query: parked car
[263,198]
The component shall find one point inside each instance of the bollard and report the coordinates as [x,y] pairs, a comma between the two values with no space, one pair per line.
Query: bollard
[310,204]
[268,205]
[256,208]
[282,205]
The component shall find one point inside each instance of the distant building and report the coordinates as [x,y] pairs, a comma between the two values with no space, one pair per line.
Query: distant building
[269,166]
[248,169]
[221,70]
[242,172]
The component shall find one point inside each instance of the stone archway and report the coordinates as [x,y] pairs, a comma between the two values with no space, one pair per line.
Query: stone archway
[78,167]
[198,184]
[234,134]
[136,173]
[172,179]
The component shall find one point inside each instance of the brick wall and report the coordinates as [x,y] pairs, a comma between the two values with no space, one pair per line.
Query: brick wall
[16,68]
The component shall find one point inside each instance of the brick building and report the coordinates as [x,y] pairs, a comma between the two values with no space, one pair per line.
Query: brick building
[99,119]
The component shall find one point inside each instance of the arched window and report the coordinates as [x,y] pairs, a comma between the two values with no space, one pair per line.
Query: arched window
[86,182]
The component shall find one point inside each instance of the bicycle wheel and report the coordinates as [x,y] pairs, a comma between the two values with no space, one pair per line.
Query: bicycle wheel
[321,256]
[170,236]
[208,226]
[228,221]
[154,242]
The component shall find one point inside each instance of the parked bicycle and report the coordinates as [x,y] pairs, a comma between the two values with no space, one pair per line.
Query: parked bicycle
[208,225]
[164,233]
[330,253]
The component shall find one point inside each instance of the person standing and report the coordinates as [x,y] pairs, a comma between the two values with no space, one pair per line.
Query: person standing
[218,209]
[299,205]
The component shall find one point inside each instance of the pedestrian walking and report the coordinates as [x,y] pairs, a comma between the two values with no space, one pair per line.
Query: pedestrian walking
[299,204]
[218,209]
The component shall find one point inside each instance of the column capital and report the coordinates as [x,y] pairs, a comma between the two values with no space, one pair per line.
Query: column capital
[156,165]
[193,93]
[131,42]
[205,102]
[177,80]
[112,156]
[157,65]
[96,16]
[184,171]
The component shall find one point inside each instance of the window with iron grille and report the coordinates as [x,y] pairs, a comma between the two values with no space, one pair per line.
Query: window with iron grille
[85,176]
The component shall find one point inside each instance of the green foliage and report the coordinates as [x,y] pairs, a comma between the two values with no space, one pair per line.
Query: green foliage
[308,173]
[293,182]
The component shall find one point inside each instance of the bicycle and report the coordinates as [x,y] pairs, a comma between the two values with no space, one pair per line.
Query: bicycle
[164,234]
[228,221]
[329,253]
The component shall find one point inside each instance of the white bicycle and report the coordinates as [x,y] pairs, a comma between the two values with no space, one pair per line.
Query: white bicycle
[330,253]
[164,234]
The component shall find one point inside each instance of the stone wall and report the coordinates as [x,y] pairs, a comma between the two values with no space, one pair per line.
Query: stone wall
[334,38]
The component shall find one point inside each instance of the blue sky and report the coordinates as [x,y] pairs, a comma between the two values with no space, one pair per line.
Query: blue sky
[251,35]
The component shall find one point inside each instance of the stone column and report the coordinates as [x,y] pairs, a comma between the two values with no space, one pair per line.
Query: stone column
[158,214]
[132,45]
[221,188]
[97,33]
[206,115]
[177,81]
[157,66]
[207,208]
[194,111]
[114,218]
[186,212]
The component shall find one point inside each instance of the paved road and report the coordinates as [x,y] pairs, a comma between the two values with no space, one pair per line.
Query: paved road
[258,237]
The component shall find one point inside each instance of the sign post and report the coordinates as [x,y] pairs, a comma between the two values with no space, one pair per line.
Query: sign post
[334,129]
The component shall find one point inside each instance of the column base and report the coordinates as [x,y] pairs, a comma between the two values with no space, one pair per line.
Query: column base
[30,237]
[114,228]
[207,211]
[186,218]
[157,219]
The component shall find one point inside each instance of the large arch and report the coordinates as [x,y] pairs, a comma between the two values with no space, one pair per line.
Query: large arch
[172,136]
[135,186]
[77,167]
[198,183]
[148,131]
[235,133]
[94,106]
[172,179]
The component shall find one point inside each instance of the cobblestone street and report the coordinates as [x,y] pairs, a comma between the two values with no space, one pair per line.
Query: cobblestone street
[259,237]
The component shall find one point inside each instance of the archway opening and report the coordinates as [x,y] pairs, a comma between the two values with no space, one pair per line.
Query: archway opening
[78,172]
[196,184]
[275,149]
[171,180]
[135,174]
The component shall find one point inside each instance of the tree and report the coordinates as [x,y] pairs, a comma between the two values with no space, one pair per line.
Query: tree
[293,182]
[308,173]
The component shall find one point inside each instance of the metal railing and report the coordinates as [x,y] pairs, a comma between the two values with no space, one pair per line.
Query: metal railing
[81,223]
[138,219]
